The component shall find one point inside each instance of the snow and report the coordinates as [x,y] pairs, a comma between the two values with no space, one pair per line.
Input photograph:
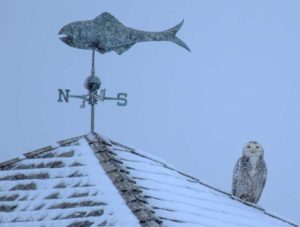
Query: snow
[92,182]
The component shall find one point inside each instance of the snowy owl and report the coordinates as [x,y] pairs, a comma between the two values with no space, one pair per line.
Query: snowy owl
[250,173]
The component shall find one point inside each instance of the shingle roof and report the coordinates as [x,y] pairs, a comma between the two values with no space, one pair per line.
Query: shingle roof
[93,181]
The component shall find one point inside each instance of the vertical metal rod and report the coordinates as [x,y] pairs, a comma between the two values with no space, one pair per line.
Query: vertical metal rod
[92,96]
[92,117]
[93,63]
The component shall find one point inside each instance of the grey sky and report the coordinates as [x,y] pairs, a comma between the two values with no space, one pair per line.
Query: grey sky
[195,110]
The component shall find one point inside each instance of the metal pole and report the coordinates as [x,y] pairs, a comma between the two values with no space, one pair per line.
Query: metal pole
[93,63]
[92,117]
[92,95]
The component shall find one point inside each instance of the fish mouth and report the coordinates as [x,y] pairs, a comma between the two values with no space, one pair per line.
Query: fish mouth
[62,35]
[65,38]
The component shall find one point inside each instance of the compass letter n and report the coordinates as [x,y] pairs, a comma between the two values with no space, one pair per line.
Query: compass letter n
[63,94]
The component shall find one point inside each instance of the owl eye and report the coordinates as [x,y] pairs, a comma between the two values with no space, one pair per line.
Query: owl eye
[248,146]
[257,147]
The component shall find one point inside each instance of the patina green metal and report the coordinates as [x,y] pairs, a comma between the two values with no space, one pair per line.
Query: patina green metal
[105,33]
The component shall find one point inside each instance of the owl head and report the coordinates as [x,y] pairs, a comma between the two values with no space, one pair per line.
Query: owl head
[253,149]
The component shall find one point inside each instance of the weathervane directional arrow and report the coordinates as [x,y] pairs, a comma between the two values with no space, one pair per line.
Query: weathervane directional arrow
[104,34]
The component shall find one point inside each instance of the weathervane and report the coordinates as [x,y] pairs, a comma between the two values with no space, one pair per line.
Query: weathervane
[104,34]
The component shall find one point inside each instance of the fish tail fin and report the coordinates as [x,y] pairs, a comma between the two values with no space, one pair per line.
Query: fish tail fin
[171,34]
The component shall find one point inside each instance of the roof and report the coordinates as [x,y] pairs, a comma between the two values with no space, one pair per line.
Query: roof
[93,181]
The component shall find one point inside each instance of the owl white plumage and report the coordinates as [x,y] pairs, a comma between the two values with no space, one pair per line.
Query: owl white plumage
[250,173]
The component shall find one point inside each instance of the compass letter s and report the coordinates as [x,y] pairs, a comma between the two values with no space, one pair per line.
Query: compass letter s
[122,97]
[63,94]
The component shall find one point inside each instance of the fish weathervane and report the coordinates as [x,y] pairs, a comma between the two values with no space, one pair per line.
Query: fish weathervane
[105,33]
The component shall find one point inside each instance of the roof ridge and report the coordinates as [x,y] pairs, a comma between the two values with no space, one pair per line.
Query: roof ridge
[126,186]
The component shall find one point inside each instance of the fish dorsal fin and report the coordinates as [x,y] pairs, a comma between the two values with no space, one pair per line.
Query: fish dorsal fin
[106,17]
[122,49]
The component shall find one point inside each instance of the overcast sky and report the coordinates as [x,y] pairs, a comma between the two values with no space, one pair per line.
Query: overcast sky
[195,110]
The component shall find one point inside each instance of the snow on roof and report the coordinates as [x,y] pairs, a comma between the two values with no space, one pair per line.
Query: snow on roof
[63,186]
[93,181]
